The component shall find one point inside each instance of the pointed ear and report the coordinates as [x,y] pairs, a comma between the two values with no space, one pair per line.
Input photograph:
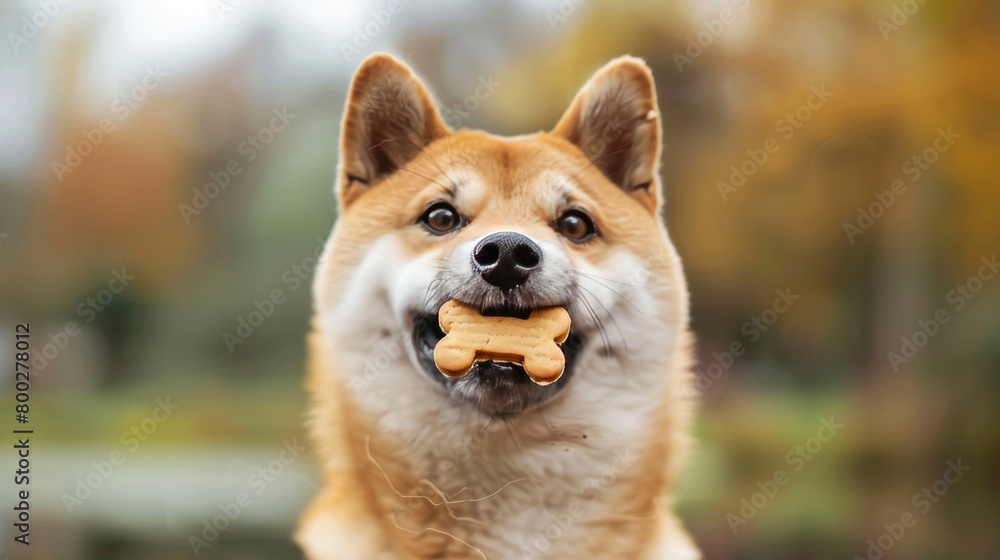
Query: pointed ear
[615,121]
[389,118]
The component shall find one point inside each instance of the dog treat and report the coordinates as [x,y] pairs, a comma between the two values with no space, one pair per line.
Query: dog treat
[471,337]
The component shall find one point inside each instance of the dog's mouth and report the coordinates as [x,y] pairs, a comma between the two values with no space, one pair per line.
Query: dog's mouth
[496,388]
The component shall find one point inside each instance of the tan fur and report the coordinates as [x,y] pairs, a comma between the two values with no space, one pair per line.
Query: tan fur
[378,500]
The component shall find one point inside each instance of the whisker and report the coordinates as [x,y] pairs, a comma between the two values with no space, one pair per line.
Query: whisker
[616,292]
[421,152]
[588,275]
[488,424]
[593,162]
[552,430]
[600,325]
[610,316]
[454,186]
[386,141]
[432,291]
[424,177]
[517,445]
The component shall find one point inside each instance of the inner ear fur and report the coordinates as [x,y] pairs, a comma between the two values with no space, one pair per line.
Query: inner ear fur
[615,122]
[389,118]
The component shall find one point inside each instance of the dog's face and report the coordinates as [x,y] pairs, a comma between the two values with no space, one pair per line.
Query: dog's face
[568,218]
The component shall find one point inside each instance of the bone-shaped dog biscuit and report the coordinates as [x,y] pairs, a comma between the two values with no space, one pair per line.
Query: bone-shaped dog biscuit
[472,337]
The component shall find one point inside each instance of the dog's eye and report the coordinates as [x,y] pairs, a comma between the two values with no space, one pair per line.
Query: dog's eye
[441,218]
[576,226]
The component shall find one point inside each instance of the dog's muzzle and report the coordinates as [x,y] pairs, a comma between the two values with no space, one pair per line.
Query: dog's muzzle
[495,388]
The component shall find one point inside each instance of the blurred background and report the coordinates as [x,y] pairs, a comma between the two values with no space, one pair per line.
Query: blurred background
[830,169]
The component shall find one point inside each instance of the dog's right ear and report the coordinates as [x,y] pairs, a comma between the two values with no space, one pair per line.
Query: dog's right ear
[615,122]
[389,118]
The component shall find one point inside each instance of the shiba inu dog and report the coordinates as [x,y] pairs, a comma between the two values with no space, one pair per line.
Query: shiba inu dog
[490,465]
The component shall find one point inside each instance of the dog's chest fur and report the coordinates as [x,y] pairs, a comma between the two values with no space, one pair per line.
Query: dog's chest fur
[440,467]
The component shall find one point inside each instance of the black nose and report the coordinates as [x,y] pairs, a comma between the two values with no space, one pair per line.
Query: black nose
[506,259]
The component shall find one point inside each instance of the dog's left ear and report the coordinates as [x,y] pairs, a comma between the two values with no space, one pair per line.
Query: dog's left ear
[615,121]
[389,118]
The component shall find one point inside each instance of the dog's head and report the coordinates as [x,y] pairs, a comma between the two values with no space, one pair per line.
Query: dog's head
[567,218]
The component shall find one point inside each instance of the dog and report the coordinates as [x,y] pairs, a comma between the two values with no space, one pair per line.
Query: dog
[489,465]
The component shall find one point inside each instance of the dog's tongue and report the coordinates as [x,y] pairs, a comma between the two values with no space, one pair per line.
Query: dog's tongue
[531,341]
